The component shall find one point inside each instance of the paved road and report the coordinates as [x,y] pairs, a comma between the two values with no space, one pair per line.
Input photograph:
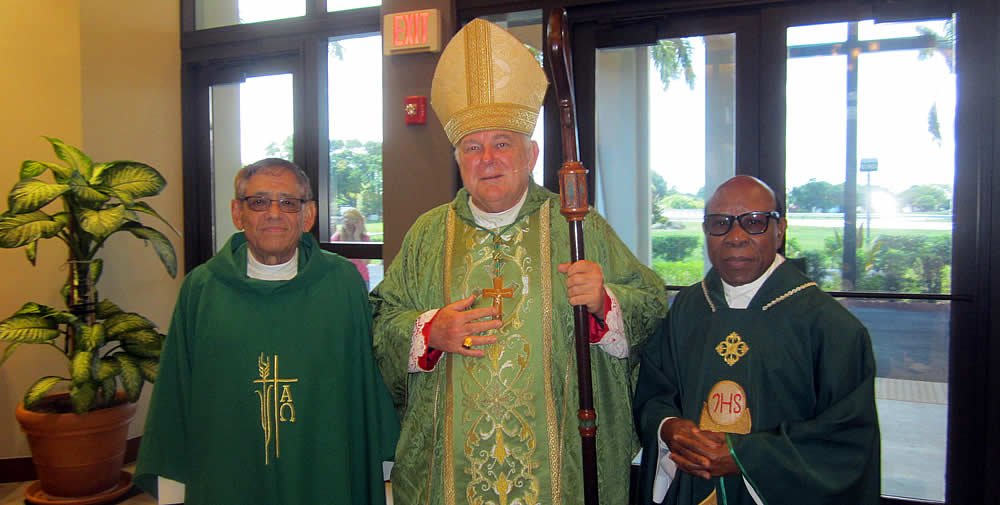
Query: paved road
[910,340]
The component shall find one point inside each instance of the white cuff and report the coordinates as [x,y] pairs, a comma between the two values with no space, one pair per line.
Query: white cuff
[417,346]
[665,467]
[614,342]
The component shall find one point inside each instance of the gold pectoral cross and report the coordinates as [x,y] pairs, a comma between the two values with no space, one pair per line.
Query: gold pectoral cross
[498,293]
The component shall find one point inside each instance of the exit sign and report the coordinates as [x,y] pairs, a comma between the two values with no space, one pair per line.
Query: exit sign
[411,32]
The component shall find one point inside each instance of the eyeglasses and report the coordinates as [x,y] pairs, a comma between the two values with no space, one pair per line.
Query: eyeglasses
[753,223]
[261,204]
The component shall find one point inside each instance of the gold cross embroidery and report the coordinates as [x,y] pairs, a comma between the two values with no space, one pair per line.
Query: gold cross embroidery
[732,348]
[498,293]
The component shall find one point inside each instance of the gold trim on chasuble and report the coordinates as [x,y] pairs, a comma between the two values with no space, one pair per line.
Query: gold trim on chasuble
[552,424]
[499,451]
[449,463]
[276,411]
[710,500]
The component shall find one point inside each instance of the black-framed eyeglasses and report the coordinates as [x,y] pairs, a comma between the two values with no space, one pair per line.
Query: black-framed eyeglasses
[261,204]
[753,223]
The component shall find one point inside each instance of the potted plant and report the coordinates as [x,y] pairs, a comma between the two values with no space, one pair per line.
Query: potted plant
[106,348]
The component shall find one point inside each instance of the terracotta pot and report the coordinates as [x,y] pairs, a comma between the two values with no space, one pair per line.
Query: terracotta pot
[78,454]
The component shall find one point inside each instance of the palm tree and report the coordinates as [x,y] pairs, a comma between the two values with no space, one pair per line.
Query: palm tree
[671,57]
[945,45]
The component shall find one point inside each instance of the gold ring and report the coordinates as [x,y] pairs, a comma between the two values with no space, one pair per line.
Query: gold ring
[467,344]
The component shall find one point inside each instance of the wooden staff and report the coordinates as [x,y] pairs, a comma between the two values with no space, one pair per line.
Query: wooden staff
[574,206]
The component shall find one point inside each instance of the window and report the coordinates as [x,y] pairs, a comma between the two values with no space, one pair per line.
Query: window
[307,90]
[870,172]
[665,133]
[853,123]
[216,13]
[355,98]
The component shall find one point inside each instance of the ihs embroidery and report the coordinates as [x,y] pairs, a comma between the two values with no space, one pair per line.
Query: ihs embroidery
[732,348]
[273,408]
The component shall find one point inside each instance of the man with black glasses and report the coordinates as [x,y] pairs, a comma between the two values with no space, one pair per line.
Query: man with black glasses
[758,387]
[268,391]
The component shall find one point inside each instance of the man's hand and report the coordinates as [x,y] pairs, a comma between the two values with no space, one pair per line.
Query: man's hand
[453,323]
[585,285]
[703,454]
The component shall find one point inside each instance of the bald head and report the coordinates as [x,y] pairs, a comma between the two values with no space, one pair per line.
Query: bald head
[741,187]
[741,257]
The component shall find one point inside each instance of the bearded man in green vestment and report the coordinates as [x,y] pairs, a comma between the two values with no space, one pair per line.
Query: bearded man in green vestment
[758,387]
[268,391]
[474,320]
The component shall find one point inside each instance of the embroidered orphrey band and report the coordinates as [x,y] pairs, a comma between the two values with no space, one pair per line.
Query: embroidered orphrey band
[493,116]
[449,458]
[553,431]
[478,67]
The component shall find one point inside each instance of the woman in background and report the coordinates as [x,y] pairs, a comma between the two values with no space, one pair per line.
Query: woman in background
[352,229]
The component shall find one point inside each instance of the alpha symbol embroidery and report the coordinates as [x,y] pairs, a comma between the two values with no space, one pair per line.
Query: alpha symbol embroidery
[732,348]
[274,408]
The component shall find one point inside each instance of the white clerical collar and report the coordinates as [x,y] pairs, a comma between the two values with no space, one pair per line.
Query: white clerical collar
[738,297]
[280,272]
[491,220]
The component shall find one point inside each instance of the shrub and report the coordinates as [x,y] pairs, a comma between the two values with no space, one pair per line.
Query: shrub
[673,247]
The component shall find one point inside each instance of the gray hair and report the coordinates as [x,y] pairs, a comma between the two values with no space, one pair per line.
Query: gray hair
[272,166]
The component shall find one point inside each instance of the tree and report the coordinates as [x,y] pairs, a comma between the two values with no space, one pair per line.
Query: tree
[681,201]
[815,195]
[355,172]
[658,190]
[926,198]
[944,44]
[356,168]
[671,57]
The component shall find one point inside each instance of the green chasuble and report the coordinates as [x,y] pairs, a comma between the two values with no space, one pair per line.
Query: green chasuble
[502,429]
[790,379]
[268,391]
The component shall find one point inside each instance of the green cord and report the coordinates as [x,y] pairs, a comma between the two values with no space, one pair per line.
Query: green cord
[743,471]
[497,241]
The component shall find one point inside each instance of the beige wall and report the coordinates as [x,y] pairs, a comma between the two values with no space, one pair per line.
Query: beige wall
[103,75]
[416,159]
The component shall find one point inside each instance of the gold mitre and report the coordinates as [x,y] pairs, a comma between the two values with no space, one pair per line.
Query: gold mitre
[486,79]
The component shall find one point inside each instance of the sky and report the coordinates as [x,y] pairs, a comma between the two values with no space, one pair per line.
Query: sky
[896,93]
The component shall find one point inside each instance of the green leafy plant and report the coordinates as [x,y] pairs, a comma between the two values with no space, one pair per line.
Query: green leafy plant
[103,344]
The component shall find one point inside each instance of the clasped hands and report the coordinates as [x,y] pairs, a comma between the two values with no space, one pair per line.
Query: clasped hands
[456,322]
[699,452]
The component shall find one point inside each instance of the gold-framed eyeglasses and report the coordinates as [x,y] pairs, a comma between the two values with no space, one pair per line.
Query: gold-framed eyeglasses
[261,204]
[753,223]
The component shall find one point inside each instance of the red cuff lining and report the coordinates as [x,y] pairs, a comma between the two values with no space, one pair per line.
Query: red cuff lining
[431,355]
[598,327]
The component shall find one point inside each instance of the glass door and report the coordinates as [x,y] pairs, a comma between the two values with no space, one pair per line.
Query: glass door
[250,120]
[666,137]
[243,111]
[870,174]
